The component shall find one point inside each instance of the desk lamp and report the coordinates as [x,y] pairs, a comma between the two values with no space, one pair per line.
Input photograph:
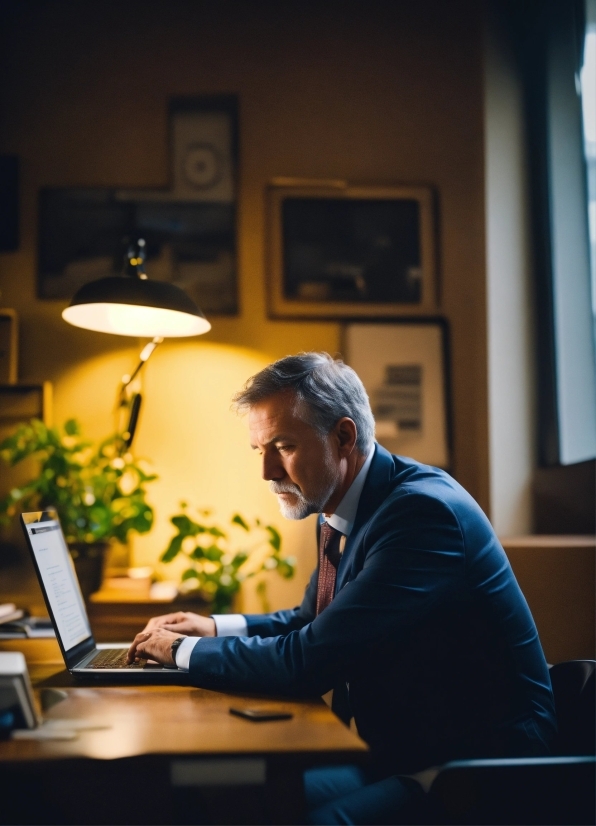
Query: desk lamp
[132,305]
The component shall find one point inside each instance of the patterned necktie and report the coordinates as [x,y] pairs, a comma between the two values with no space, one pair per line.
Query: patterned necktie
[329,556]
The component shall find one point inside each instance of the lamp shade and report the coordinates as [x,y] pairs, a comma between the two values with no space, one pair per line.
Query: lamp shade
[130,306]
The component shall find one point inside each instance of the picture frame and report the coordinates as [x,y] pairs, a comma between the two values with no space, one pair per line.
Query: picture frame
[22,402]
[337,251]
[404,369]
[190,226]
[9,343]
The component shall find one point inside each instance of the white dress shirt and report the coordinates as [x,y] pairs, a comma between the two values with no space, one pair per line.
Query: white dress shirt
[234,625]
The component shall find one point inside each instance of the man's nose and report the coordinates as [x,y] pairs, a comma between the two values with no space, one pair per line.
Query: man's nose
[272,468]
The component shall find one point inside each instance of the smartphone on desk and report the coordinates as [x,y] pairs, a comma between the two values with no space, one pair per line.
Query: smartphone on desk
[259,715]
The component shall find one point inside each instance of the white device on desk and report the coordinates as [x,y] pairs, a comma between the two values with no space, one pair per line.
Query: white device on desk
[64,601]
[16,696]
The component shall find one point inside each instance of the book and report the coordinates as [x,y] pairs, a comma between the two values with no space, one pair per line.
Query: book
[9,613]
[27,628]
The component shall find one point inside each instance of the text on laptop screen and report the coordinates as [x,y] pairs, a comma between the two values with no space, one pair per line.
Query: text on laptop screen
[56,570]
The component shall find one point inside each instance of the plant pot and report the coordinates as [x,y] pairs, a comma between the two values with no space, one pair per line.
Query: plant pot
[89,560]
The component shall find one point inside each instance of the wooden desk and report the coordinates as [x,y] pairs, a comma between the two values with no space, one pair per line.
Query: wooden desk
[171,753]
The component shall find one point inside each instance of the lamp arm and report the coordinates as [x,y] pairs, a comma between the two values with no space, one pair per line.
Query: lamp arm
[146,352]
[135,402]
[135,408]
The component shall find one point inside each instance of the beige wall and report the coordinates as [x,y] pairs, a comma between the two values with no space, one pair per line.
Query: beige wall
[371,92]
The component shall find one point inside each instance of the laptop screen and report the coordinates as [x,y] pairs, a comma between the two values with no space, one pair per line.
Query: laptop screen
[56,570]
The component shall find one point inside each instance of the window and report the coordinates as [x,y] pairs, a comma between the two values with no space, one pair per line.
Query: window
[552,39]
[588,91]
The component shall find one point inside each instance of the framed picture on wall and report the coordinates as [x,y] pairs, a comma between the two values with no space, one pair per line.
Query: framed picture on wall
[189,226]
[339,251]
[9,342]
[21,402]
[403,367]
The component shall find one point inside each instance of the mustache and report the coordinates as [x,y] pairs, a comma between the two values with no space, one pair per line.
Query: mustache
[284,487]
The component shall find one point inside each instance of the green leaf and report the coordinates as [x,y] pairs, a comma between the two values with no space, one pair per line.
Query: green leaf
[274,537]
[145,477]
[238,520]
[215,531]
[190,573]
[239,559]
[285,570]
[197,553]
[186,526]
[71,428]
[213,553]
[172,550]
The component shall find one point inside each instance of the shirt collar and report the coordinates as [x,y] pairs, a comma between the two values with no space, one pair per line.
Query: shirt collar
[345,514]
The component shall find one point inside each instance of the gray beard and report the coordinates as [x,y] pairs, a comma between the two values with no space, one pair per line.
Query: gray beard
[303,507]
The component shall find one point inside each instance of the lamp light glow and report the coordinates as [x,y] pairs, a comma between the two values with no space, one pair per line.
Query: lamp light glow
[130,320]
[130,306]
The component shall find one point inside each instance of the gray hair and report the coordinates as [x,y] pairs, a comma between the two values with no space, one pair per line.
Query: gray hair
[327,387]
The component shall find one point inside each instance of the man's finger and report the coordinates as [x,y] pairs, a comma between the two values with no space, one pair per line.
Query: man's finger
[154,622]
[159,622]
[174,619]
[132,652]
[141,649]
[143,636]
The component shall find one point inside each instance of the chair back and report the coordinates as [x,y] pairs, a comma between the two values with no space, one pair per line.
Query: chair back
[531,790]
[534,790]
[574,688]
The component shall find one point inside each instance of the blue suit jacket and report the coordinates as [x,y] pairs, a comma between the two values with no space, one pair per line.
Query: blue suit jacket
[428,631]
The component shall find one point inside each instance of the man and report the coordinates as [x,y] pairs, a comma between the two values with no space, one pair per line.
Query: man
[413,617]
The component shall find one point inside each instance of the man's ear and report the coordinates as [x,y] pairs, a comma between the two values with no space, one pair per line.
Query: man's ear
[346,433]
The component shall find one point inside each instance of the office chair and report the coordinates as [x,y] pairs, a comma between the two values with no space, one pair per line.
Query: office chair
[574,687]
[541,790]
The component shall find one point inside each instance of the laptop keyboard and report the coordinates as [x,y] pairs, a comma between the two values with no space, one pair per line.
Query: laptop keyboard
[114,658]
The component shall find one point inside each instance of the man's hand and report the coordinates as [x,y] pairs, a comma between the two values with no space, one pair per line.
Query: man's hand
[153,645]
[184,622]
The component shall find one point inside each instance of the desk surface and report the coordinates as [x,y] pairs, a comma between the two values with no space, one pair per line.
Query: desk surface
[152,730]
[175,720]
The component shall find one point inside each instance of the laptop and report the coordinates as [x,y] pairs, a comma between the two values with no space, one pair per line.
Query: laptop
[66,607]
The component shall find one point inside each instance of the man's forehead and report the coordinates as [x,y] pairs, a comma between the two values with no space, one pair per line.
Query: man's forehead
[276,416]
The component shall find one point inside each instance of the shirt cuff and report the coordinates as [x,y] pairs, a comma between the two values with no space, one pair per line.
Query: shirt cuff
[230,625]
[226,625]
[184,651]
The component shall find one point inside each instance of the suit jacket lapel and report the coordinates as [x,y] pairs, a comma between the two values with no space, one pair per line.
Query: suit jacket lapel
[374,492]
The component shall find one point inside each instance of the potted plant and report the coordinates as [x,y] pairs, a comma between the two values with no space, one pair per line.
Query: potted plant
[97,490]
[220,560]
